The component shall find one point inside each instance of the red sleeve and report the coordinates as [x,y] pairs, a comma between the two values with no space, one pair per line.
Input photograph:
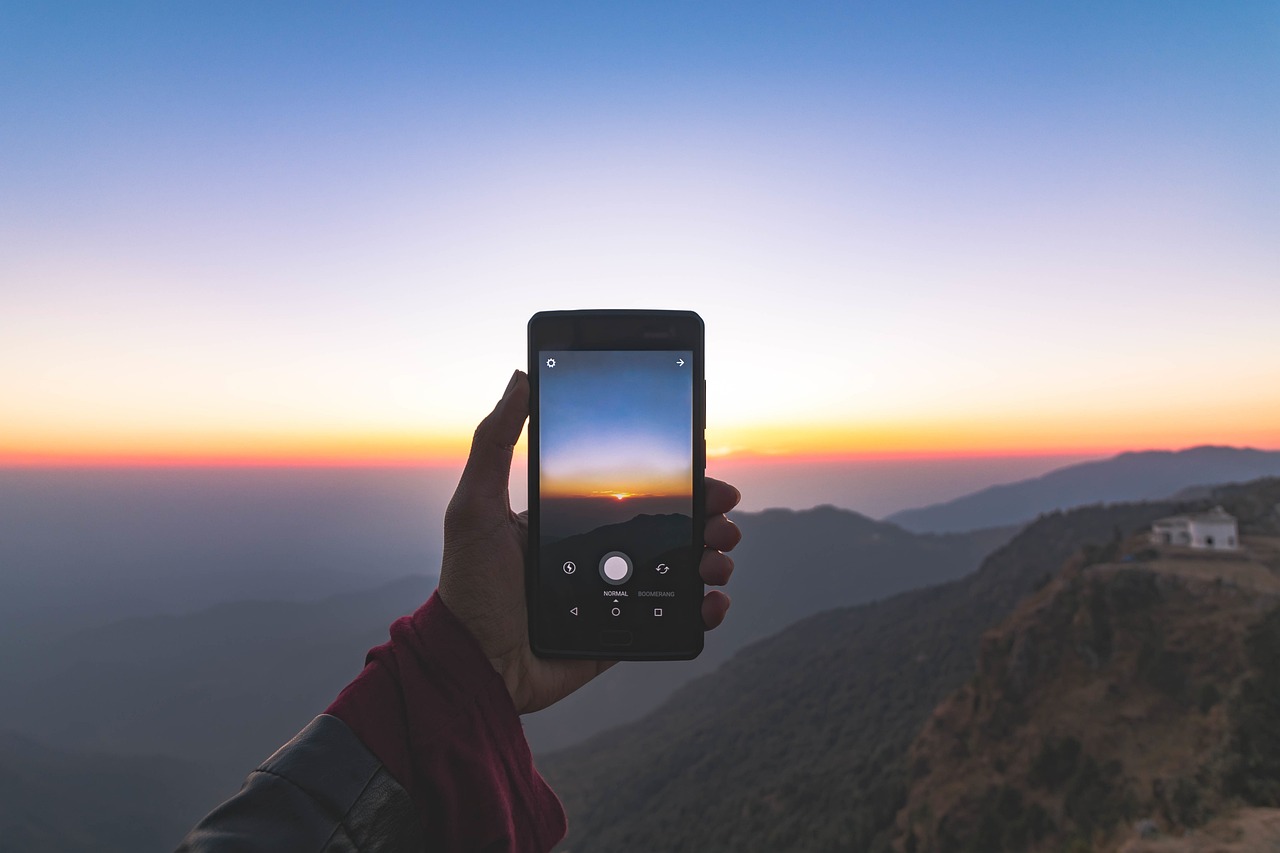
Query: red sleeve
[438,716]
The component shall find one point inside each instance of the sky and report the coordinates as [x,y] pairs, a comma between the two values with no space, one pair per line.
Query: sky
[313,233]
[616,424]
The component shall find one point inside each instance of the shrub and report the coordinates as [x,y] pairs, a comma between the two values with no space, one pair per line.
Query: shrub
[1254,772]
[1162,669]
[1187,808]
[1208,696]
[1131,591]
[1092,799]
[1055,763]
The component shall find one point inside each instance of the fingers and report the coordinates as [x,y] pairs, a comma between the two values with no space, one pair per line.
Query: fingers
[720,496]
[488,467]
[715,605]
[715,568]
[721,533]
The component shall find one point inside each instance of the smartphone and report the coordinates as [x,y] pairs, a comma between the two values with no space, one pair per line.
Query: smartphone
[617,456]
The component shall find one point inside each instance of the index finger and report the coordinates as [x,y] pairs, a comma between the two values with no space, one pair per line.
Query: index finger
[721,497]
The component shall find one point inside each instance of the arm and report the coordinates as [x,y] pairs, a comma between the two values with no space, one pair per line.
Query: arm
[323,790]
[440,719]
[424,750]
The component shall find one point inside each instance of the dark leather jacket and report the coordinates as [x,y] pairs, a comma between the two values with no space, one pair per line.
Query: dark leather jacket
[322,791]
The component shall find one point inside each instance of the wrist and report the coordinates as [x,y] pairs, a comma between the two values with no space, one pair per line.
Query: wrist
[504,656]
[511,673]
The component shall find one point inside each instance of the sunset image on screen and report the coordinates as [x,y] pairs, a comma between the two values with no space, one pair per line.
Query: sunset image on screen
[616,437]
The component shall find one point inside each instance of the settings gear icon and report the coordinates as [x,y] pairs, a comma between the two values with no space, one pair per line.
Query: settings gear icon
[551,362]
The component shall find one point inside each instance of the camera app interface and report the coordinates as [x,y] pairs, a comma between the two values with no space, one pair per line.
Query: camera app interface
[616,489]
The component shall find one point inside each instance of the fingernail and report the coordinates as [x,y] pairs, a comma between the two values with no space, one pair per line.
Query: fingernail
[515,377]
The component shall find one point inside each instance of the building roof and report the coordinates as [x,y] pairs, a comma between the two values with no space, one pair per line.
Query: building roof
[1217,515]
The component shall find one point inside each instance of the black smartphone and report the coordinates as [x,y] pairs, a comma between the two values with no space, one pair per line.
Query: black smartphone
[617,457]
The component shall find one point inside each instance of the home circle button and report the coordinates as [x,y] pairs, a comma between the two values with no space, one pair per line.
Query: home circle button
[615,567]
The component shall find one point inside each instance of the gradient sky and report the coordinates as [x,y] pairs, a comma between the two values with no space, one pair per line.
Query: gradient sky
[315,231]
[616,424]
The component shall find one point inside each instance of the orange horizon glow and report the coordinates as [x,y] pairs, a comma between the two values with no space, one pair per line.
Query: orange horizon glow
[210,451]
[222,460]
[339,456]
[995,434]
[647,485]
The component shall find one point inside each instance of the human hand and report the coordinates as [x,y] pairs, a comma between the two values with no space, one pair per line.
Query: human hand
[482,575]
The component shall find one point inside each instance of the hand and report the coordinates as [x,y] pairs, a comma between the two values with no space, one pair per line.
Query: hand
[482,576]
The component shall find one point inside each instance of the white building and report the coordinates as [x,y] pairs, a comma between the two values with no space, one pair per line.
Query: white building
[1215,530]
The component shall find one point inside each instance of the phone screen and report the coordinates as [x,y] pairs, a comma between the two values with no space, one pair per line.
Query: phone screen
[615,491]
[615,459]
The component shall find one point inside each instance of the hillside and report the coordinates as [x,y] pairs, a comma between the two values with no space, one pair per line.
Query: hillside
[1149,475]
[799,742]
[1140,691]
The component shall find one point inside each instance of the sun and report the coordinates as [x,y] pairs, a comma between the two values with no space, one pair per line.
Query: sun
[617,496]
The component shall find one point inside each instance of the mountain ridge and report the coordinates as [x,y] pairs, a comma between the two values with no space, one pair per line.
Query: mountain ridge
[1125,477]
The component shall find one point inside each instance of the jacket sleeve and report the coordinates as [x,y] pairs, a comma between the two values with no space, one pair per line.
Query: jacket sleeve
[322,791]
[423,751]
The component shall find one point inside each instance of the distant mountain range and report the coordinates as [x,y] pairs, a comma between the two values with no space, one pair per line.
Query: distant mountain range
[83,547]
[1147,475]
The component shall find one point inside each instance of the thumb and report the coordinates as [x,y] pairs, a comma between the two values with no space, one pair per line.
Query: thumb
[488,469]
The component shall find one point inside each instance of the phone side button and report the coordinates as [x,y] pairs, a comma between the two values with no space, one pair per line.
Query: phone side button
[615,638]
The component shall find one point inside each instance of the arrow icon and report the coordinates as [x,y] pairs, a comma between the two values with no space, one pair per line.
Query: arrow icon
[574,611]
[679,362]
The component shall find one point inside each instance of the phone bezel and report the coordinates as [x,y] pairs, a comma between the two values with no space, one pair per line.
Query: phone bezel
[615,330]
